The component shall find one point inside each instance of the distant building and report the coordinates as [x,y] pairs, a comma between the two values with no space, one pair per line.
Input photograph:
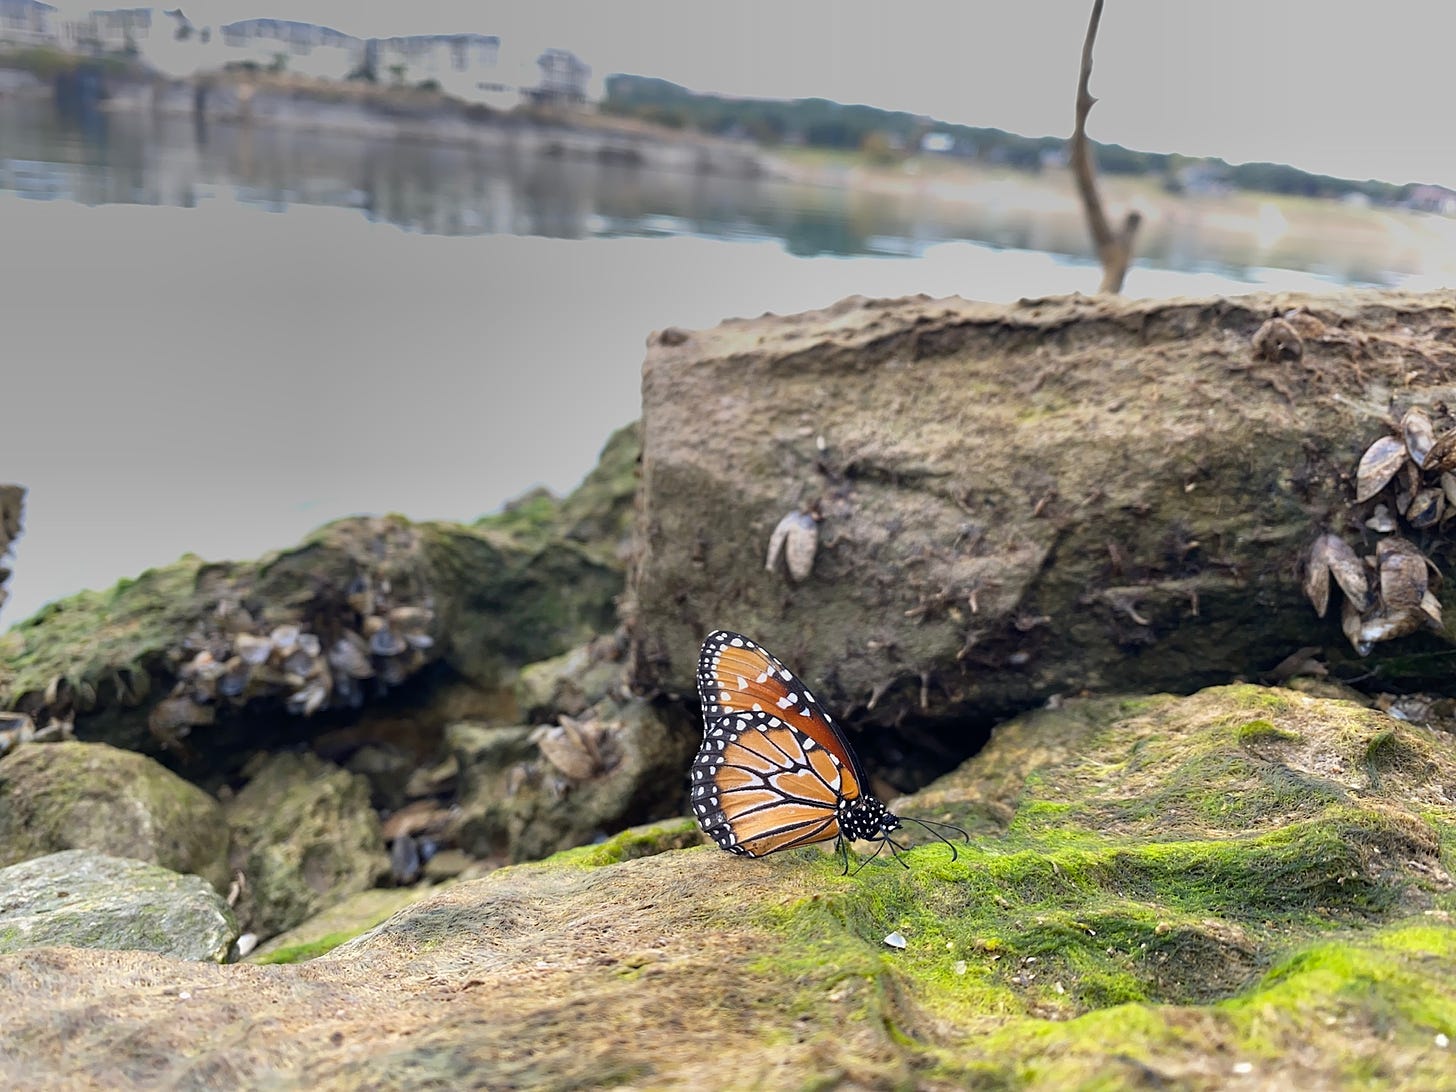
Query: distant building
[306,48]
[118,30]
[563,78]
[1436,199]
[458,63]
[28,23]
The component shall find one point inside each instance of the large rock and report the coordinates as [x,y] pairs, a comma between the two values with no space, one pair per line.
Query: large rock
[210,659]
[81,899]
[56,796]
[1246,886]
[304,837]
[1015,502]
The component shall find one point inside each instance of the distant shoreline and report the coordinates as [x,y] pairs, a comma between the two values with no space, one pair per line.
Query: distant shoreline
[371,110]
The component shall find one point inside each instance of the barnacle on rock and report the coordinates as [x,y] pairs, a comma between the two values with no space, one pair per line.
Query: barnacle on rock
[797,538]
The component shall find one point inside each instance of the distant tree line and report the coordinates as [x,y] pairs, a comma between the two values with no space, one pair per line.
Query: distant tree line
[886,134]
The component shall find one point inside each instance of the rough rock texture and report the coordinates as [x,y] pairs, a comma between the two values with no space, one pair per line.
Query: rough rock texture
[73,795]
[12,504]
[1245,885]
[343,921]
[81,899]
[477,601]
[1012,502]
[304,837]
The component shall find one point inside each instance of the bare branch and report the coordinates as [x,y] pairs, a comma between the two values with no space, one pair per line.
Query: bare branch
[1114,249]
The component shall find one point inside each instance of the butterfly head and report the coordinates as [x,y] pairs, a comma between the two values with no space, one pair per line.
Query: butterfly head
[866,819]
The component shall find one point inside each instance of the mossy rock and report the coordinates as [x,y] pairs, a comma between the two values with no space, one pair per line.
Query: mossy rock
[82,899]
[1300,937]
[518,587]
[304,837]
[56,796]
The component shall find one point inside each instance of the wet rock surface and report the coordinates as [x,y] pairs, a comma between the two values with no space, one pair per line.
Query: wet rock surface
[75,795]
[82,899]
[1246,883]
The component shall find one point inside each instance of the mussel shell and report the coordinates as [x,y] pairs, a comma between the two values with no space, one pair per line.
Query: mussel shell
[1442,455]
[1426,508]
[1381,520]
[1404,577]
[385,642]
[1351,622]
[1332,555]
[253,650]
[1381,462]
[568,752]
[348,659]
[1420,434]
[1431,608]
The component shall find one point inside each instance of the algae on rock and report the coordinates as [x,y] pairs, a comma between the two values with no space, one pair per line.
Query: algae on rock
[82,899]
[1179,892]
[72,795]
[304,837]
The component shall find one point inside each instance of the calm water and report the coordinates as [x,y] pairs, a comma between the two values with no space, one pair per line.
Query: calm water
[216,340]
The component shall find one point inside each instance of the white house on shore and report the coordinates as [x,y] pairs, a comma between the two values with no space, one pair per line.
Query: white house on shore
[465,66]
[305,48]
[28,23]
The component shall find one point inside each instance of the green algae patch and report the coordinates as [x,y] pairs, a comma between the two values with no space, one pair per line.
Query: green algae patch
[1199,888]
[644,841]
[302,953]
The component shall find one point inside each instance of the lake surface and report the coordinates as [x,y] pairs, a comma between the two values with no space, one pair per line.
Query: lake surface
[217,340]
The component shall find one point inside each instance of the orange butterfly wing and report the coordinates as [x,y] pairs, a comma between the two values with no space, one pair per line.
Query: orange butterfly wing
[774,771]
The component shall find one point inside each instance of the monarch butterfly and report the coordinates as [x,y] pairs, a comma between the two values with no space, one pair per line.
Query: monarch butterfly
[774,771]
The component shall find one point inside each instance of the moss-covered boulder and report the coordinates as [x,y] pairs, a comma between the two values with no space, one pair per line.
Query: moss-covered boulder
[81,899]
[199,657]
[1245,885]
[304,837]
[56,796]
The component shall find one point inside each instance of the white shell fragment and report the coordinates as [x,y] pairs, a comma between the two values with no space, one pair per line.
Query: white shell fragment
[797,538]
[895,940]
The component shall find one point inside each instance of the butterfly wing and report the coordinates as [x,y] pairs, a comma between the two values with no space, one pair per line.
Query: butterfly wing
[773,771]
[735,675]
[760,785]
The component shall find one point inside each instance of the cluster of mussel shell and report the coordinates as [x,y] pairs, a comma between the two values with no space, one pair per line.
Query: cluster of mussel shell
[308,670]
[1411,478]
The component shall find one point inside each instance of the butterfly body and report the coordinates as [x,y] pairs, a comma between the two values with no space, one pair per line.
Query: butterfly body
[774,770]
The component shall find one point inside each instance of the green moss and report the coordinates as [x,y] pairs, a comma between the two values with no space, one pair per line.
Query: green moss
[1264,731]
[301,953]
[644,841]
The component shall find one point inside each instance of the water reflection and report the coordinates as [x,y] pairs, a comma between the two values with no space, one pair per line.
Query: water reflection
[434,187]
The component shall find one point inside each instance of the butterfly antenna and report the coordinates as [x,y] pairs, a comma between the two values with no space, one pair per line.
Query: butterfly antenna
[930,825]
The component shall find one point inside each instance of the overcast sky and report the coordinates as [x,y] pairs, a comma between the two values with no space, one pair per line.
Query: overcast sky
[1352,90]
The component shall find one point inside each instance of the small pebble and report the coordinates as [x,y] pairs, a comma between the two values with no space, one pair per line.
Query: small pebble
[184,995]
[895,940]
[959,966]
[1243,1067]
[1442,1040]
[246,943]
